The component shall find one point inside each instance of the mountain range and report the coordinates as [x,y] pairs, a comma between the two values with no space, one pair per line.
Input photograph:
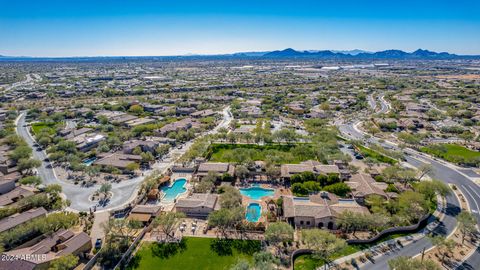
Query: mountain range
[289,53]
[388,54]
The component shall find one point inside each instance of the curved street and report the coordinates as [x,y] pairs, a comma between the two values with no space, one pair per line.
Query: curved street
[123,192]
[443,171]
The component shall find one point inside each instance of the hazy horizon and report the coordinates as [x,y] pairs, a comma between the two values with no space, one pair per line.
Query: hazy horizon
[213,54]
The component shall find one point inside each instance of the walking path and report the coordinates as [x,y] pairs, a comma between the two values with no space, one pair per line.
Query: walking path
[393,246]
[443,171]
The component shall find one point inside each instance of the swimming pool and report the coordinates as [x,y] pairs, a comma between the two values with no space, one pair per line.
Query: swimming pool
[256,193]
[174,190]
[254,212]
[89,161]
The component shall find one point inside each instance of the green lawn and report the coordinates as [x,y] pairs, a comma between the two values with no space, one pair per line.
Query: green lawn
[193,253]
[308,262]
[452,152]
[367,152]
[39,126]
[280,153]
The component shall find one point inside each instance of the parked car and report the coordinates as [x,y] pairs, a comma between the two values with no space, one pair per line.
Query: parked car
[98,244]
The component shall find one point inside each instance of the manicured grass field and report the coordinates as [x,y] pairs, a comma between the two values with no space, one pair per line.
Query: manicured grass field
[451,152]
[193,253]
[39,126]
[367,152]
[308,262]
[281,153]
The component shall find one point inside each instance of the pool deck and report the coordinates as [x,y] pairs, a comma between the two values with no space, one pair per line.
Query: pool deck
[279,191]
[169,205]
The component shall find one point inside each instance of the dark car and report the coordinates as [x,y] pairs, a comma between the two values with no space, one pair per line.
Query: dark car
[98,244]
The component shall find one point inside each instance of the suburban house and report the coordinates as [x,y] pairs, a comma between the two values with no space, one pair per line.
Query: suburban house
[317,211]
[8,171]
[117,160]
[184,111]
[154,108]
[7,184]
[217,167]
[123,118]
[16,194]
[198,204]
[296,108]
[14,220]
[183,124]
[363,185]
[204,113]
[145,146]
[3,114]
[71,133]
[252,111]
[144,213]
[288,170]
[61,243]
[243,129]
[138,121]
[86,141]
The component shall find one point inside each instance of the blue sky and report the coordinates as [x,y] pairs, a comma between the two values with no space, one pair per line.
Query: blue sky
[141,27]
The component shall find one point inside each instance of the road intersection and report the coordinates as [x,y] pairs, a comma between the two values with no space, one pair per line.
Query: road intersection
[442,171]
[122,193]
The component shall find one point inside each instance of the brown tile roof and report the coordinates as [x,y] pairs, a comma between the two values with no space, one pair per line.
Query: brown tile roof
[294,207]
[313,166]
[317,206]
[287,170]
[198,200]
[117,159]
[17,193]
[146,209]
[363,185]
[60,243]
[19,218]
[217,167]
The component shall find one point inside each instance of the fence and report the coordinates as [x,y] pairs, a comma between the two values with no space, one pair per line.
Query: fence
[91,262]
[404,229]
[127,255]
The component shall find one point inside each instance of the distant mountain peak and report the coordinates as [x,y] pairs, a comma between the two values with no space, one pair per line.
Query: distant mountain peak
[358,54]
[393,54]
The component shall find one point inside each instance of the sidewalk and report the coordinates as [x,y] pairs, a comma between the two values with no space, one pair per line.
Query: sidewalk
[393,243]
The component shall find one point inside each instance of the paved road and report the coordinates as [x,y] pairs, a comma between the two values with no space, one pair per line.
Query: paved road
[385,106]
[79,196]
[123,192]
[29,79]
[371,102]
[443,171]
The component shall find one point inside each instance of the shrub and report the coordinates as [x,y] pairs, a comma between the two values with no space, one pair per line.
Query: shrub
[340,189]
